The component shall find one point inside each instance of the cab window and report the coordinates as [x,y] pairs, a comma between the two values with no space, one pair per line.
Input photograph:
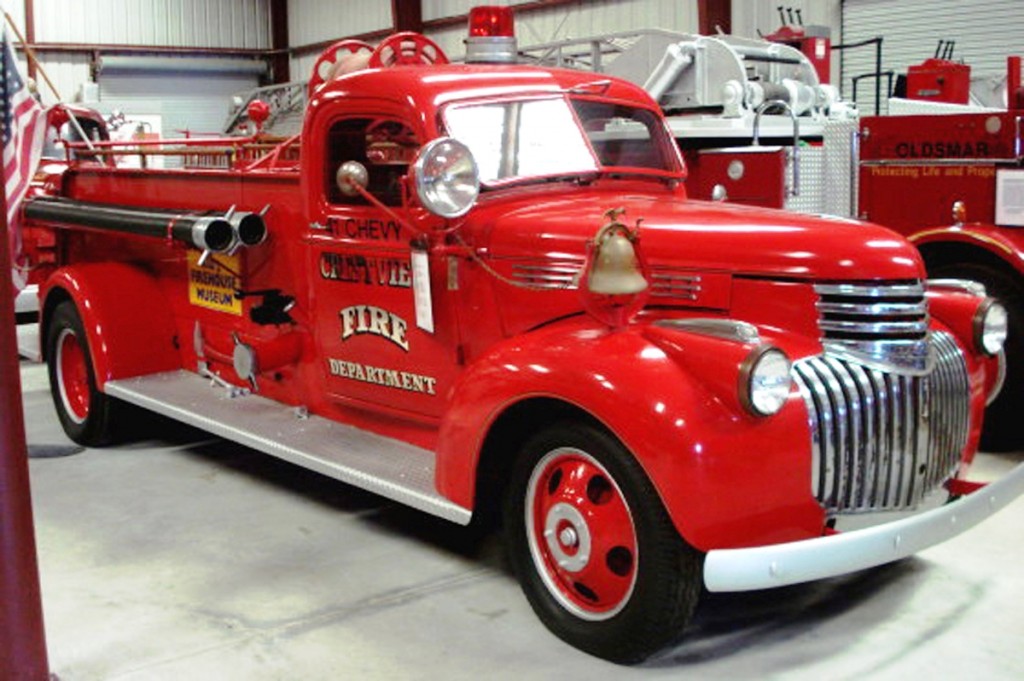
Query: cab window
[384,146]
[623,135]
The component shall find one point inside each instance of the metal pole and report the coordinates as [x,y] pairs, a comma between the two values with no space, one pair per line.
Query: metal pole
[22,639]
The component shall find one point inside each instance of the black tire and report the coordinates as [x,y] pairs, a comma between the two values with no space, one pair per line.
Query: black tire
[1002,430]
[85,413]
[638,597]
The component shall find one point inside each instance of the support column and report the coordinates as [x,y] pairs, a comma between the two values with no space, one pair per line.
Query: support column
[407,15]
[279,66]
[30,33]
[714,14]
[22,639]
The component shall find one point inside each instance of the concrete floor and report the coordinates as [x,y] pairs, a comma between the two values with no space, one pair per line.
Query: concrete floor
[182,556]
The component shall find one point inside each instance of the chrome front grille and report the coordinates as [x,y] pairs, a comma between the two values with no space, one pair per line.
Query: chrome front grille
[882,440]
[884,325]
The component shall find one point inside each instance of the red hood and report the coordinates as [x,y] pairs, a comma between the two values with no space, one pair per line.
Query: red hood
[696,234]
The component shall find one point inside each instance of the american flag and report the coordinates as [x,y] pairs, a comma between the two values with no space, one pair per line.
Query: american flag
[24,123]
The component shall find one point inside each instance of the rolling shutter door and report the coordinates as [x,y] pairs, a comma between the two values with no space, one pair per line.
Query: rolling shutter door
[985,31]
[194,99]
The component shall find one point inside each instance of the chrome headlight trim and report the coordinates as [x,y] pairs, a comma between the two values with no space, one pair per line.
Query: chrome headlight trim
[765,380]
[991,323]
[446,177]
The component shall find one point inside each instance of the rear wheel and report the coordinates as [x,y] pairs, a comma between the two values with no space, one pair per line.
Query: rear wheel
[84,412]
[596,553]
[1002,430]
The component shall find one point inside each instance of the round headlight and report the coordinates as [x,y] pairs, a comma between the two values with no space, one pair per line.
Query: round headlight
[446,176]
[765,381]
[990,327]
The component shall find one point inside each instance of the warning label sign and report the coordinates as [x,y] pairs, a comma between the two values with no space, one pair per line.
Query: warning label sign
[213,284]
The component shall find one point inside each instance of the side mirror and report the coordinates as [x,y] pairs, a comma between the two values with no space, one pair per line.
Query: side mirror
[446,177]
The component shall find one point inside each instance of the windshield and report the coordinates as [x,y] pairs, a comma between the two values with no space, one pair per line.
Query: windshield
[542,137]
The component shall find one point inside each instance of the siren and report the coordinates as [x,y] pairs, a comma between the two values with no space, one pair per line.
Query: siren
[492,37]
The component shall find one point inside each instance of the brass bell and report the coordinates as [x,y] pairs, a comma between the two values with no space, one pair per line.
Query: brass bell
[615,269]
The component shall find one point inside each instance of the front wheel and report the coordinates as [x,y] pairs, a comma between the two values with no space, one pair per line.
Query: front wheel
[84,412]
[596,553]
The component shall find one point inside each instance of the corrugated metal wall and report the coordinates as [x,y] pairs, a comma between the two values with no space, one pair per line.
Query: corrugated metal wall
[238,24]
[313,21]
[438,9]
[749,17]
[67,71]
[299,67]
[184,23]
[183,101]
[577,20]
[985,31]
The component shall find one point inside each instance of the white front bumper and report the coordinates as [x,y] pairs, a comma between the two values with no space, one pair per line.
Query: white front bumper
[765,567]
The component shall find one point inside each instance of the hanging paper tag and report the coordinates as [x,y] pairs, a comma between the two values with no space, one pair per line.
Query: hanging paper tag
[421,290]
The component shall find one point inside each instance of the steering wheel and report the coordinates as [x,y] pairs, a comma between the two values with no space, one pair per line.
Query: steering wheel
[407,49]
[343,56]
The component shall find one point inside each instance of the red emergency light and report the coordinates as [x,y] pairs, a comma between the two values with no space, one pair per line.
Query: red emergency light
[491,21]
[492,36]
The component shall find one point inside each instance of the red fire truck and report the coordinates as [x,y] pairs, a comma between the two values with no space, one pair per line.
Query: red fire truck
[759,124]
[482,289]
[952,183]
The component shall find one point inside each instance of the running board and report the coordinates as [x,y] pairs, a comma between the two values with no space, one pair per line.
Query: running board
[384,466]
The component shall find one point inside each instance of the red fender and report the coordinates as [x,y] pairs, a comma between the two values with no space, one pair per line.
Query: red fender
[954,311]
[957,310]
[126,316]
[704,456]
[999,241]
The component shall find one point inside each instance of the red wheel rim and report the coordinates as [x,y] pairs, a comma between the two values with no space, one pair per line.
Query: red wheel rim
[581,534]
[72,376]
